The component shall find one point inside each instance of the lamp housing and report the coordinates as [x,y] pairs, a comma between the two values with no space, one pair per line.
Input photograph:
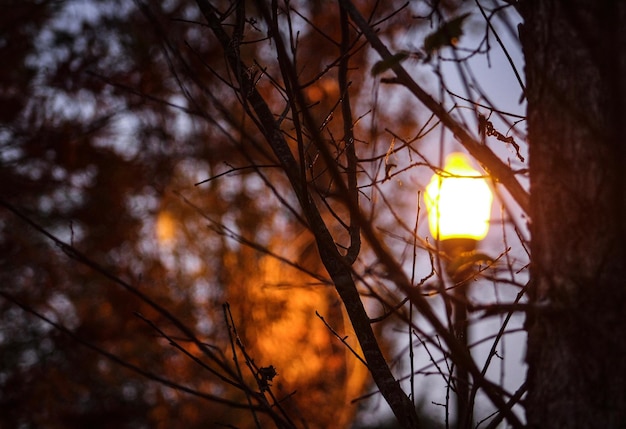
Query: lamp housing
[458,200]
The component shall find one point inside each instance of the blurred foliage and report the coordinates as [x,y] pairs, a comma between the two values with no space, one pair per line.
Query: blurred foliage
[448,34]
[99,125]
[121,134]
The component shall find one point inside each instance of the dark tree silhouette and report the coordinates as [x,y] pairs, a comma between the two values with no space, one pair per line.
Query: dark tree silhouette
[574,67]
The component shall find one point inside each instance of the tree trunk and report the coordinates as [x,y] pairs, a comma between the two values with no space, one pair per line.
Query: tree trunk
[575,53]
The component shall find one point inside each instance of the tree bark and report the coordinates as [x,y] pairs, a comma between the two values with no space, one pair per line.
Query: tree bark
[575,54]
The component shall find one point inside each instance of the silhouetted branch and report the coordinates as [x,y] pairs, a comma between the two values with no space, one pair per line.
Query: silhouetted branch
[500,171]
[124,363]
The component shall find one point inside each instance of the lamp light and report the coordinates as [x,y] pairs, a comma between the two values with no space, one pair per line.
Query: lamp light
[458,201]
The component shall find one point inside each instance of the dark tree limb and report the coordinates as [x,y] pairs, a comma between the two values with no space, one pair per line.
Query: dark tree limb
[348,138]
[334,262]
[496,168]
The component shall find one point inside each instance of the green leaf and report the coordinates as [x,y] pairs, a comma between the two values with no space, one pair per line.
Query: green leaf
[447,34]
[388,63]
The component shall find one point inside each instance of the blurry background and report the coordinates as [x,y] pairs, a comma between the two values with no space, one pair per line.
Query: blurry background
[114,115]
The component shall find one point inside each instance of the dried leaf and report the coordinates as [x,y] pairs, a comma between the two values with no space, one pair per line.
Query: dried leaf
[447,34]
[388,63]
[468,259]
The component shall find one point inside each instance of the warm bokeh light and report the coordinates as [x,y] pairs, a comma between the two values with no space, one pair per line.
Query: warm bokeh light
[277,308]
[165,227]
[458,201]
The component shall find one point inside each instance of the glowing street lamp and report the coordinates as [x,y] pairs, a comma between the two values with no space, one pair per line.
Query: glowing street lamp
[458,201]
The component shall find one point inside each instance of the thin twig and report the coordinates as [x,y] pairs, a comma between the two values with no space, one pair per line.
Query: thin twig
[342,339]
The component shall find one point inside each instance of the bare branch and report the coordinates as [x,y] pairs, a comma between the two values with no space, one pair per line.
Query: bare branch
[500,171]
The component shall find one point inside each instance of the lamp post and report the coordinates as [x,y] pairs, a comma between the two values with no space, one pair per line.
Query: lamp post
[458,201]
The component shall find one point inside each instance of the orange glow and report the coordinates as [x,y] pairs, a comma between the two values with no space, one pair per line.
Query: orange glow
[165,227]
[277,304]
[458,201]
